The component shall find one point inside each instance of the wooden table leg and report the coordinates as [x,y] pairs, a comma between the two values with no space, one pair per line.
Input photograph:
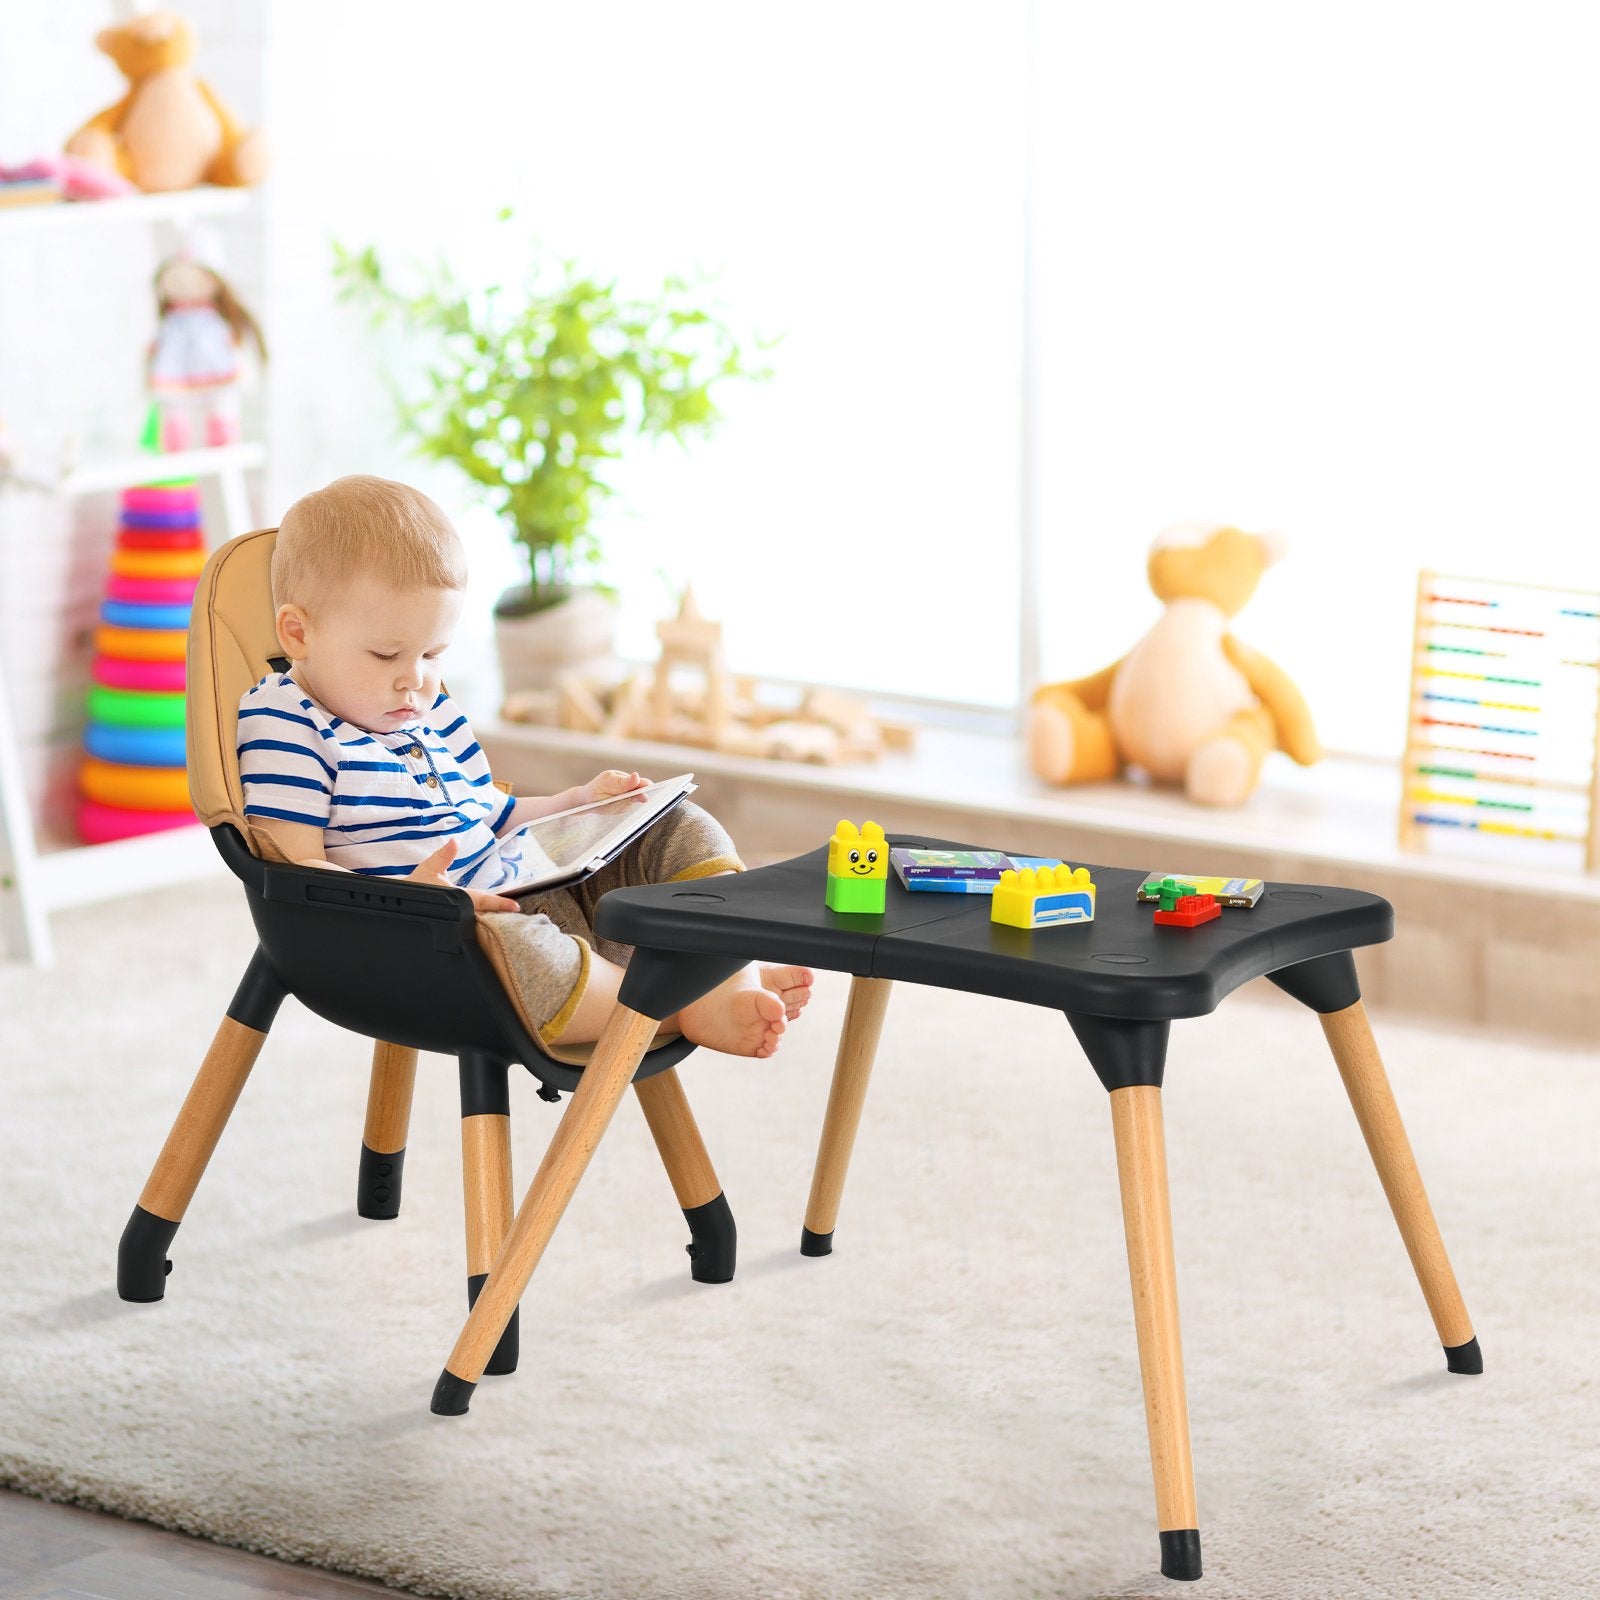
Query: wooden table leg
[383,1141]
[714,1240]
[1147,1222]
[858,1045]
[616,1057]
[1349,1035]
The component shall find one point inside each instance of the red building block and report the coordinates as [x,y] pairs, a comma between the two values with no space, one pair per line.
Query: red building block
[1190,911]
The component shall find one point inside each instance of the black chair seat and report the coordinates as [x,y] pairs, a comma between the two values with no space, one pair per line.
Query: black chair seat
[395,961]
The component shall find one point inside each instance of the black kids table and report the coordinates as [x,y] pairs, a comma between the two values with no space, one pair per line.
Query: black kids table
[1121,982]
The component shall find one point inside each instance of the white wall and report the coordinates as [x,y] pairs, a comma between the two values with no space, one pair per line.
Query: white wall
[1326,270]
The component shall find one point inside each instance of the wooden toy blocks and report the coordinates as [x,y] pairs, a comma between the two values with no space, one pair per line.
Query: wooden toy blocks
[1044,897]
[858,868]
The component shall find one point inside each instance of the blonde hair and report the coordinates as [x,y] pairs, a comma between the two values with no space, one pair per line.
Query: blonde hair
[369,527]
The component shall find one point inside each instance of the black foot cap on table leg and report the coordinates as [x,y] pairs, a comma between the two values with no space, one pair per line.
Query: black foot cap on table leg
[716,1241]
[1464,1357]
[142,1264]
[451,1395]
[816,1244]
[504,1359]
[378,1184]
[1180,1553]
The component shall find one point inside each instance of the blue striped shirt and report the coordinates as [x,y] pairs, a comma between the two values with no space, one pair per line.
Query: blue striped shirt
[384,801]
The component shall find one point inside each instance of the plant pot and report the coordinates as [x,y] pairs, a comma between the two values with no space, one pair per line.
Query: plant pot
[576,634]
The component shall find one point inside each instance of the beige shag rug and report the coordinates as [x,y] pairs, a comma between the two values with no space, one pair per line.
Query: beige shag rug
[947,1407]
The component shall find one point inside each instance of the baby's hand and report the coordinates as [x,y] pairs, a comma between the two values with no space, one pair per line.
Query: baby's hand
[609,784]
[432,870]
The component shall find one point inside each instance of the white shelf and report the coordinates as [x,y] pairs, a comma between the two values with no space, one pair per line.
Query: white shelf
[79,875]
[35,878]
[140,466]
[179,207]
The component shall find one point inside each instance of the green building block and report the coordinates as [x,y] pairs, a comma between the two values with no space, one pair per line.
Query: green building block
[856,894]
[1171,890]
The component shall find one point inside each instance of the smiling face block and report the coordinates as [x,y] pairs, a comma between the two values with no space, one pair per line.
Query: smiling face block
[858,868]
[858,852]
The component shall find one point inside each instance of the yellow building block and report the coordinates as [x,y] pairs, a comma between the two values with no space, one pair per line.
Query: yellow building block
[858,869]
[1043,898]
[858,852]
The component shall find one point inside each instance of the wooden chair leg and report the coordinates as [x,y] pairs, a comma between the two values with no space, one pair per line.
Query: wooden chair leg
[858,1045]
[1147,1223]
[616,1057]
[141,1257]
[383,1143]
[713,1244]
[1349,1035]
[486,1181]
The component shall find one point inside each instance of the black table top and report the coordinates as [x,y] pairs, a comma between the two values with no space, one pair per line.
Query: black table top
[1119,965]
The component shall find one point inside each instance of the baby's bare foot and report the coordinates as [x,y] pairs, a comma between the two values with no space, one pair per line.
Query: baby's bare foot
[792,985]
[740,1018]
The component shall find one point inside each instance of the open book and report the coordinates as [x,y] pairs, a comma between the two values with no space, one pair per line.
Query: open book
[569,846]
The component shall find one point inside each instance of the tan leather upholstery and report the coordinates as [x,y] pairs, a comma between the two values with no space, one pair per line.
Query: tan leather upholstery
[232,638]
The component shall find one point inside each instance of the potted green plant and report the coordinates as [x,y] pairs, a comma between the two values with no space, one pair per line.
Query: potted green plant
[531,391]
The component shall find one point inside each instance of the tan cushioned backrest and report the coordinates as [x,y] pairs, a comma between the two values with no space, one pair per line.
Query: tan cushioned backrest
[231,640]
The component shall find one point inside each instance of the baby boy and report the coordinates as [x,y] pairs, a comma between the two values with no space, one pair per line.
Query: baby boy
[357,760]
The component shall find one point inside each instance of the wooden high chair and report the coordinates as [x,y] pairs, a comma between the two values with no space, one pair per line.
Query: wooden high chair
[407,964]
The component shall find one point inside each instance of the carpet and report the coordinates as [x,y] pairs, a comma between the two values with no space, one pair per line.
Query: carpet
[948,1408]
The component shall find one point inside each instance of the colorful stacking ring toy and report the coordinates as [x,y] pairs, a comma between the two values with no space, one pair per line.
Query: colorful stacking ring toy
[152,591]
[158,497]
[158,563]
[154,677]
[161,519]
[120,614]
[123,708]
[135,747]
[100,824]
[140,644]
[133,776]
[161,539]
[137,788]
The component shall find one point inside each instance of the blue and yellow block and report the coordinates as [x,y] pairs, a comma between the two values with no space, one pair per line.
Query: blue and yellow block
[858,868]
[1044,897]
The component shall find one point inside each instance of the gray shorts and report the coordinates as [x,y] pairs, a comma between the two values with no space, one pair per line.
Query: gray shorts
[547,945]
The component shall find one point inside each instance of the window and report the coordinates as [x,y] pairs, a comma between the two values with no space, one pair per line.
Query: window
[852,176]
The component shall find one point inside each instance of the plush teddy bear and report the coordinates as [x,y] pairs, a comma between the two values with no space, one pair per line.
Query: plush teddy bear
[1188,704]
[169,131]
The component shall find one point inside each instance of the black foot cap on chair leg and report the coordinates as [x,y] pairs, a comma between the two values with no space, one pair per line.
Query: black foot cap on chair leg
[715,1246]
[1464,1357]
[504,1359]
[1180,1553]
[378,1184]
[451,1395]
[816,1244]
[142,1264]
